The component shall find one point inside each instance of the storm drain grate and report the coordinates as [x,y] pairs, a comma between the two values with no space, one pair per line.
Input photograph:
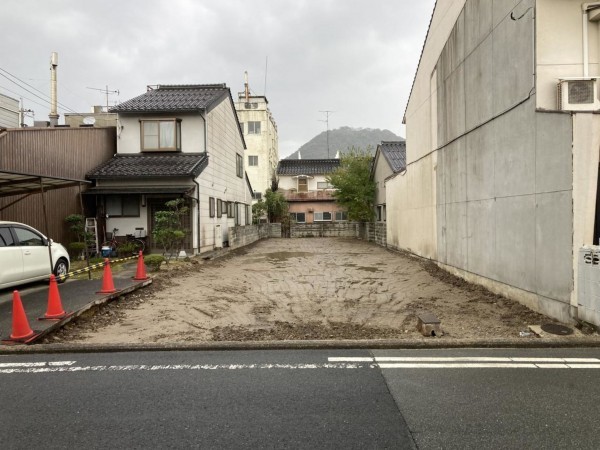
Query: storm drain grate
[554,328]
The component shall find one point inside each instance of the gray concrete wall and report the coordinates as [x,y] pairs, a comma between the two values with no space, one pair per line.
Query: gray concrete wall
[327,229]
[241,236]
[504,173]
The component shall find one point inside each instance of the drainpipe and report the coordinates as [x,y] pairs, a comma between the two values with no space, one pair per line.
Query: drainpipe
[198,215]
[586,7]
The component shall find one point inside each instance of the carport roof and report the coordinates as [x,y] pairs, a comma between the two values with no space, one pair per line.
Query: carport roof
[17,183]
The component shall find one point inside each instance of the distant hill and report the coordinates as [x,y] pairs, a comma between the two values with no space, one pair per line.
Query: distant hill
[341,139]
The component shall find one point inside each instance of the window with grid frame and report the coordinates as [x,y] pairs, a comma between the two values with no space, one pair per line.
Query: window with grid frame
[324,216]
[252,160]
[298,217]
[123,205]
[302,185]
[160,135]
[219,207]
[230,210]
[341,216]
[253,127]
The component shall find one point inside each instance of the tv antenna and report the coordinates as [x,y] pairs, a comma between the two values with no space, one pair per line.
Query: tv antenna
[326,112]
[106,92]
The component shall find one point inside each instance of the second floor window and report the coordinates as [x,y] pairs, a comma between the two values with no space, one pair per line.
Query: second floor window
[253,127]
[253,160]
[302,185]
[161,135]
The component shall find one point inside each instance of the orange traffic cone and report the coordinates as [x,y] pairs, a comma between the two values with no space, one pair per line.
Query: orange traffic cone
[108,286]
[21,331]
[55,310]
[140,274]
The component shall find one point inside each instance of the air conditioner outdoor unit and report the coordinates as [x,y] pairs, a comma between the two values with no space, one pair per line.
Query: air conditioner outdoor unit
[578,94]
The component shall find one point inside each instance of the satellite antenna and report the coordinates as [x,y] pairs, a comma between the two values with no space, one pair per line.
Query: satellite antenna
[89,120]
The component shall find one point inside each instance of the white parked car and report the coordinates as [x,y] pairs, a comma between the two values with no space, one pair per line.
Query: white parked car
[24,255]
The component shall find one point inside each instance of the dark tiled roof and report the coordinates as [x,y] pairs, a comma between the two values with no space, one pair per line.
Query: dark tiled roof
[307,166]
[175,98]
[151,165]
[395,154]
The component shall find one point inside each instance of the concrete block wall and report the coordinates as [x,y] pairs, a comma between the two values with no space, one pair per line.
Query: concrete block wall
[332,229]
[241,236]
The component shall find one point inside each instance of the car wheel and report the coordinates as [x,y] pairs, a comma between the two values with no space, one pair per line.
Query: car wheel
[61,268]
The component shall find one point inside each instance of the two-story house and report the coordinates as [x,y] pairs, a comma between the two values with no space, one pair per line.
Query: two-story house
[304,184]
[389,160]
[502,133]
[176,141]
[260,135]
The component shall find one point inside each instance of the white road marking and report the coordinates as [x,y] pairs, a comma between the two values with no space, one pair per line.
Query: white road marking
[456,365]
[38,364]
[384,362]
[143,367]
[350,359]
[475,359]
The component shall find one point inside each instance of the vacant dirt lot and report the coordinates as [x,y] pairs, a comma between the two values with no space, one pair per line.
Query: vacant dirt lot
[302,289]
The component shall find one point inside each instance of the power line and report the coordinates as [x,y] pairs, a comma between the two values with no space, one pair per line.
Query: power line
[65,107]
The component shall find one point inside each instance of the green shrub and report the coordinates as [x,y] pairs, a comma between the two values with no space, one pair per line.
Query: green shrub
[153,262]
[126,248]
[76,249]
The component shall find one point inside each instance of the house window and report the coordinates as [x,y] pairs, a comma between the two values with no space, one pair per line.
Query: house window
[123,205]
[247,215]
[230,209]
[322,216]
[257,195]
[302,185]
[298,217]
[236,213]
[381,213]
[341,215]
[211,206]
[239,166]
[324,185]
[253,127]
[252,160]
[219,207]
[161,135]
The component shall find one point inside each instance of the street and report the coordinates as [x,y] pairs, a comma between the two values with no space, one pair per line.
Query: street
[492,398]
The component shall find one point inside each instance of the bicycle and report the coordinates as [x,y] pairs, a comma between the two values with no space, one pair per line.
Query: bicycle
[131,244]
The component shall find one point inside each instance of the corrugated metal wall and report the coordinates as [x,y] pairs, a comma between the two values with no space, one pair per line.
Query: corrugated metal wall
[57,152]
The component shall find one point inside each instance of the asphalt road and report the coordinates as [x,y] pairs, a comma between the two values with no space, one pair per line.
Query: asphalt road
[423,399]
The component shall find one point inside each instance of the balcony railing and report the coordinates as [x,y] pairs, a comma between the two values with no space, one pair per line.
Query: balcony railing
[310,196]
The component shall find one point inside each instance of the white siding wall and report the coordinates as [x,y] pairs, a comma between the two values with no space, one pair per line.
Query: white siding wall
[9,112]
[219,179]
[192,132]
[288,182]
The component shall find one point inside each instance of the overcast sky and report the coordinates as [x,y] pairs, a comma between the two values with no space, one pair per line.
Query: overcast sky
[354,57]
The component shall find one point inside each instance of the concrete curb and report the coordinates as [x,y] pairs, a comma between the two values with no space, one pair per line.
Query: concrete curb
[60,323]
[305,345]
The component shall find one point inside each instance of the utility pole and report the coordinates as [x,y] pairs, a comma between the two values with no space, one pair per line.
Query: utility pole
[23,112]
[106,92]
[326,112]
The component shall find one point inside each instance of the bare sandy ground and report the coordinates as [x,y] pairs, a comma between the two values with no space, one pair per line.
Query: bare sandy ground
[325,288]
